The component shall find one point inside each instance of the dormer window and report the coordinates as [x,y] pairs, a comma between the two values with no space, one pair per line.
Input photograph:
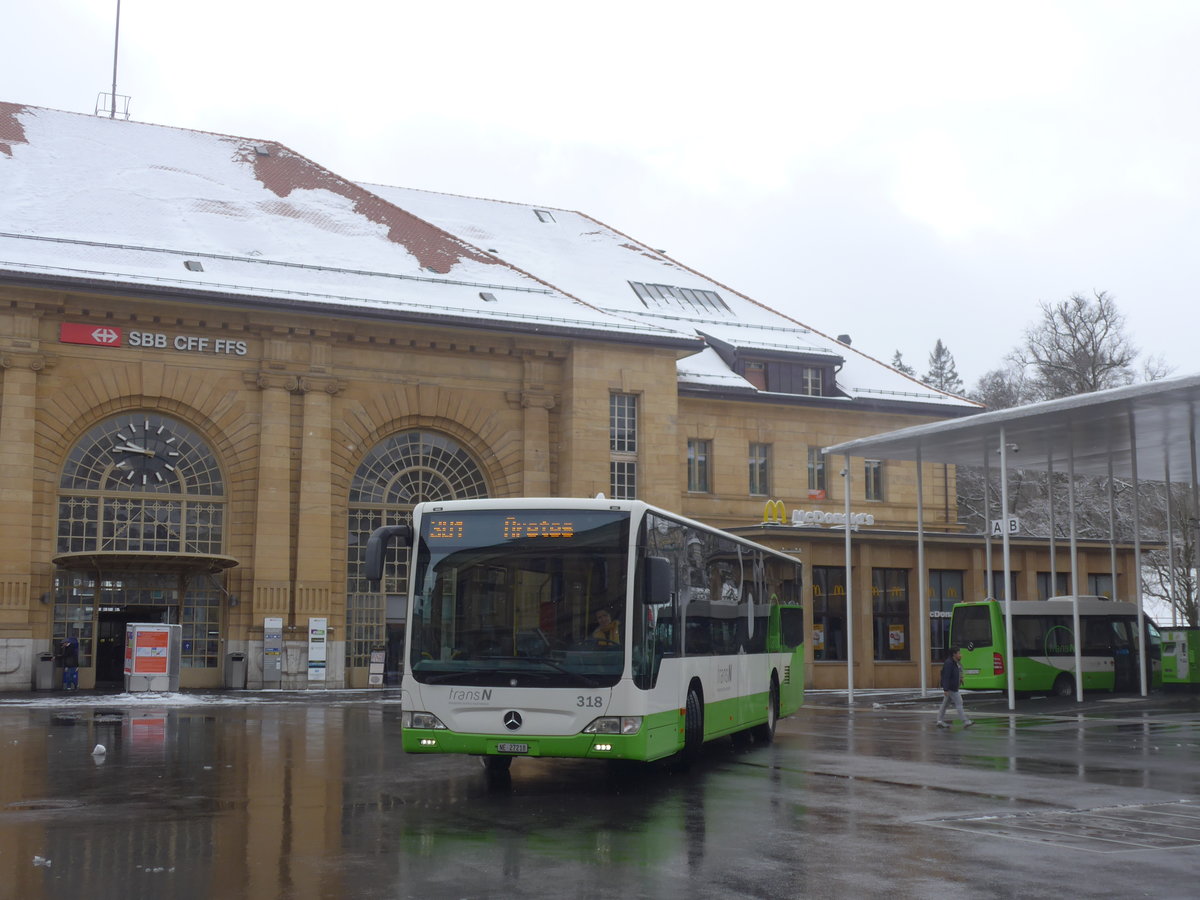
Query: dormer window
[781,376]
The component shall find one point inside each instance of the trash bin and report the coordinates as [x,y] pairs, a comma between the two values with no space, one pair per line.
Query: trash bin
[43,672]
[235,671]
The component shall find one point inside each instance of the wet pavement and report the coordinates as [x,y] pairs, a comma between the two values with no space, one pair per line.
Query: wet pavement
[300,795]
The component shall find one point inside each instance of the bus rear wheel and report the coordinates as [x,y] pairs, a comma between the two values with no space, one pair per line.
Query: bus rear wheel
[1064,686]
[765,733]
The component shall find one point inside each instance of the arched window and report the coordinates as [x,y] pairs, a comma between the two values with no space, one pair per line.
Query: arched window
[399,472]
[140,483]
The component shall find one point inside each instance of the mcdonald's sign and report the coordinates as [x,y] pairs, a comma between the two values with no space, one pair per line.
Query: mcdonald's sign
[774,513]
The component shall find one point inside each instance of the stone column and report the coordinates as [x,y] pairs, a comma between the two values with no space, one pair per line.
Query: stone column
[273,510]
[536,402]
[18,411]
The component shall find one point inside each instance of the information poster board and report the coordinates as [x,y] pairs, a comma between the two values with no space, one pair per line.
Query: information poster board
[317,629]
[272,649]
[375,672]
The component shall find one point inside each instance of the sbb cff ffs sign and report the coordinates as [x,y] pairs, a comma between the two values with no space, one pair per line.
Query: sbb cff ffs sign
[100,335]
[109,336]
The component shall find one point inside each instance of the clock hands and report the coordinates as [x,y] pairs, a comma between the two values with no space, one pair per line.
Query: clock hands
[133,448]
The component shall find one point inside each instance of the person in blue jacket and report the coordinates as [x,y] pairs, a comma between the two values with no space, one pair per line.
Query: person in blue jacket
[952,674]
[69,653]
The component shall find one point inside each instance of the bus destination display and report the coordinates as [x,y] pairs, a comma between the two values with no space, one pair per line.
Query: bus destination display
[478,528]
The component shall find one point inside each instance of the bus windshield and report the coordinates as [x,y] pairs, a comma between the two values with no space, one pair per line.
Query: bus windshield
[531,597]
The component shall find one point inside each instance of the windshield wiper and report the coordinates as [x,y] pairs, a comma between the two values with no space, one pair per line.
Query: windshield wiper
[448,677]
[582,679]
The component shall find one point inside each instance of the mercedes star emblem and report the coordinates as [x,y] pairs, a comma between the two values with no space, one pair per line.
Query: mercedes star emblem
[512,720]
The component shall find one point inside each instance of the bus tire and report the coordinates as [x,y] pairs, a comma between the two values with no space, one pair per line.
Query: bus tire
[693,728]
[693,731]
[496,765]
[1064,686]
[765,733]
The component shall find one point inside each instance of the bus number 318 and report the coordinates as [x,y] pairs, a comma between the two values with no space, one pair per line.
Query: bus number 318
[589,702]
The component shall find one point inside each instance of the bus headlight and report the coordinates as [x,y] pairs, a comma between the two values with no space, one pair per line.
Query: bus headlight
[615,725]
[416,719]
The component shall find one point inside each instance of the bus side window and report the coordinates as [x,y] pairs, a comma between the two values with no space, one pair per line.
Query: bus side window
[791,627]
[1099,639]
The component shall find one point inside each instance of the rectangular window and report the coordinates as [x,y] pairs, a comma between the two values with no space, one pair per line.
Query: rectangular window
[945,589]
[889,596]
[873,479]
[756,374]
[1061,587]
[829,613]
[812,381]
[622,439]
[1100,584]
[544,215]
[998,586]
[760,470]
[697,461]
[622,480]
[817,489]
[622,423]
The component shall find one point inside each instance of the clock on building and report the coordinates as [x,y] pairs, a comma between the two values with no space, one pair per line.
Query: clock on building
[146,451]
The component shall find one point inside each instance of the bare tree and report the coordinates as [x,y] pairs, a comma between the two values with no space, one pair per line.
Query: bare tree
[1077,347]
[1003,388]
[1169,573]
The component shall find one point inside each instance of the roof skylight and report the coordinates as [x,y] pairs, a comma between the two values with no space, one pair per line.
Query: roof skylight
[666,296]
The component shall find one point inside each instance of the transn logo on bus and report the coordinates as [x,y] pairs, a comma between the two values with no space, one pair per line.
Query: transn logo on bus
[97,335]
[458,695]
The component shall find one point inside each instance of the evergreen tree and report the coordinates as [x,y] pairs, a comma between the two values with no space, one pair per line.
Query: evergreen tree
[943,373]
[900,365]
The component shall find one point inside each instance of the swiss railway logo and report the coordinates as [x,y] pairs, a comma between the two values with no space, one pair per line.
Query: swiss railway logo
[98,335]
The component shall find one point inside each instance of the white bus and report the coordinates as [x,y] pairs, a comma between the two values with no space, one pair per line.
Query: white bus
[589,628]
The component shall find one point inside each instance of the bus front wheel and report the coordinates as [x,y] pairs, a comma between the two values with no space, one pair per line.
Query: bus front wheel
[496,765]
[1064,686]
[693,731]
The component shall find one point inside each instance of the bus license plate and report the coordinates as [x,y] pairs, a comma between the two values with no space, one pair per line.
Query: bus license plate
[971,671]
[512,748]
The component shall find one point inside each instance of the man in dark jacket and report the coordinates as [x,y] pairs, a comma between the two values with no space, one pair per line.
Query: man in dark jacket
[69,653]
[951,684]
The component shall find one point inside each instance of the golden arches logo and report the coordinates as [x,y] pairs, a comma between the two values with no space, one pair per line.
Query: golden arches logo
[774,513]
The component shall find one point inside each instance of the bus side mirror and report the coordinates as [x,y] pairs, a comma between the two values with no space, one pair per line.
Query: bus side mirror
[657,585]
[377,547]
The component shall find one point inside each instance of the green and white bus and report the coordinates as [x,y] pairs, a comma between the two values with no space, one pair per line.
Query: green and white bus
[1044,645]
[589,628]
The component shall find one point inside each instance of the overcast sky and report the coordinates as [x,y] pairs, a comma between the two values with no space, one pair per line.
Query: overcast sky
[898,171]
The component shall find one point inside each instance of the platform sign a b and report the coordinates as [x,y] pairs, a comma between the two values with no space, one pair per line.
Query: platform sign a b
[1011,523]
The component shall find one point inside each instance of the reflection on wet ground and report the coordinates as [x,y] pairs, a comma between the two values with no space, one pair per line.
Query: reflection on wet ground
[312,798]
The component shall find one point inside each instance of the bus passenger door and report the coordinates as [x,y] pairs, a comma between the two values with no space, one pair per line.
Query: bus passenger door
[1124,650]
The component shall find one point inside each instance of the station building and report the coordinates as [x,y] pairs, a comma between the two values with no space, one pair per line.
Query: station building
[222,365]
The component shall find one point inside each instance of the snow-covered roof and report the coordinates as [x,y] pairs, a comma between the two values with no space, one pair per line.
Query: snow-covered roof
[591,260]
[91,201]
[95,200]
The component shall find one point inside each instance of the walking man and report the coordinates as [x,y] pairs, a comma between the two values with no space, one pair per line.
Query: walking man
[69,652]
[952,674]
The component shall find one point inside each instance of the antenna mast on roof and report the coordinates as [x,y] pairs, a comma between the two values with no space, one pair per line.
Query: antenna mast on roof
[108,103]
